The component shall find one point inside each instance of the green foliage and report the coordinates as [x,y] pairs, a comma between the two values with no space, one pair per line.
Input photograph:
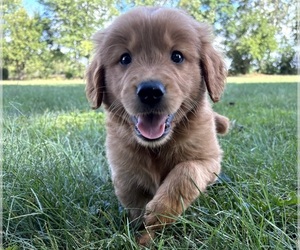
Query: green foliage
[57,192]
[251,30]
[211,11]
[281,63]
[255,39]
[5,73]
[285,62]
[257,35]
[255,31]
[76,21]
[53,42]
[22,45]
[69,75]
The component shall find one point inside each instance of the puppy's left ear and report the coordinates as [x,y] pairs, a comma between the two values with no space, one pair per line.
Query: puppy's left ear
[212,66]
[95,84]
[95,75]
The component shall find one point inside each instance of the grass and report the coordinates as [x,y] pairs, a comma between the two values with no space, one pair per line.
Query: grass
[57,192]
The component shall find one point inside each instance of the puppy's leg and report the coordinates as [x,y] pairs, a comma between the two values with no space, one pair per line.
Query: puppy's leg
[222,123]
[134,199]
[180,188]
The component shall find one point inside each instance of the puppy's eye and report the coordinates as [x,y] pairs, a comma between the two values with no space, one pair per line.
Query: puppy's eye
[125,59]
[177,57]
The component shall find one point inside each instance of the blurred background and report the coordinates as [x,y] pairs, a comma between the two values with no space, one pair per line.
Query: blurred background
[51,39]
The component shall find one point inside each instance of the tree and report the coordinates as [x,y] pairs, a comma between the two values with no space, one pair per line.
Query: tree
[254,40]
[211,11]
[255,32]
[22,45]
[74,22]
[257,35]
[252,30]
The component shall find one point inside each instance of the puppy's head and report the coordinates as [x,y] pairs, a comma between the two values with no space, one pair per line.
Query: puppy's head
[150,68]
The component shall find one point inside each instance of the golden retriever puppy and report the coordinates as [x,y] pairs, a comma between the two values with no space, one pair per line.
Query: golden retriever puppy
[152,70]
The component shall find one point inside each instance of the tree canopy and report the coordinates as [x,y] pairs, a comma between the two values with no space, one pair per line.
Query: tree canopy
[257,36]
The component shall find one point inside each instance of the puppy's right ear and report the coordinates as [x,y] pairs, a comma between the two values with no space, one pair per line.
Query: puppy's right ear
[211,62]
[95,83]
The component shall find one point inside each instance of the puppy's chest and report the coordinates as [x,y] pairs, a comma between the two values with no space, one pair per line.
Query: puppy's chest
[162,162]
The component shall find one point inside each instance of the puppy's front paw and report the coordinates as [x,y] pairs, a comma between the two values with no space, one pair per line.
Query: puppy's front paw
[145,238]
[159,214]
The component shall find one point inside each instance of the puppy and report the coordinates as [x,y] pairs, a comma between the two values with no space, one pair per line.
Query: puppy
[152,70]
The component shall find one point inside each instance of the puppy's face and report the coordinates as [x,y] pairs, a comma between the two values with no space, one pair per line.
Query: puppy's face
[148,68]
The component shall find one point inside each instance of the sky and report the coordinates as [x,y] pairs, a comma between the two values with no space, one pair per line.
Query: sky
[32,6]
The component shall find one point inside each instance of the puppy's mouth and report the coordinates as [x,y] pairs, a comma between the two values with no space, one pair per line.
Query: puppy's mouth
[152,126]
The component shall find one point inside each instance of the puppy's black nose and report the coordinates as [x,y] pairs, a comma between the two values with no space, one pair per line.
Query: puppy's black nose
[150,92]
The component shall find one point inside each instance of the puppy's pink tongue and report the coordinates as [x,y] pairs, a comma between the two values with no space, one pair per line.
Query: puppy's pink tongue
[151,126]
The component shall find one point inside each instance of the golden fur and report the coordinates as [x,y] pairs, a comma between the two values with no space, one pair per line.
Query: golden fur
[157,179]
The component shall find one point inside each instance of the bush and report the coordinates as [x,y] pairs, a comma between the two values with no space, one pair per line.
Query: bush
[69,75]
[5,74]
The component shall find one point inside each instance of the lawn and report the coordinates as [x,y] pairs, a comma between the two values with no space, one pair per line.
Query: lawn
[57,192]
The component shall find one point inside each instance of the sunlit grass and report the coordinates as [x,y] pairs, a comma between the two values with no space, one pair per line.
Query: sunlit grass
[251,78]
[258,78]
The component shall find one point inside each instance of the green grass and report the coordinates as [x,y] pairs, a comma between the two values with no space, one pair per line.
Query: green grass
[57,192]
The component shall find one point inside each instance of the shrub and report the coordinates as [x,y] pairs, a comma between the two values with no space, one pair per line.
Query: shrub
[5,73]
[69,75]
